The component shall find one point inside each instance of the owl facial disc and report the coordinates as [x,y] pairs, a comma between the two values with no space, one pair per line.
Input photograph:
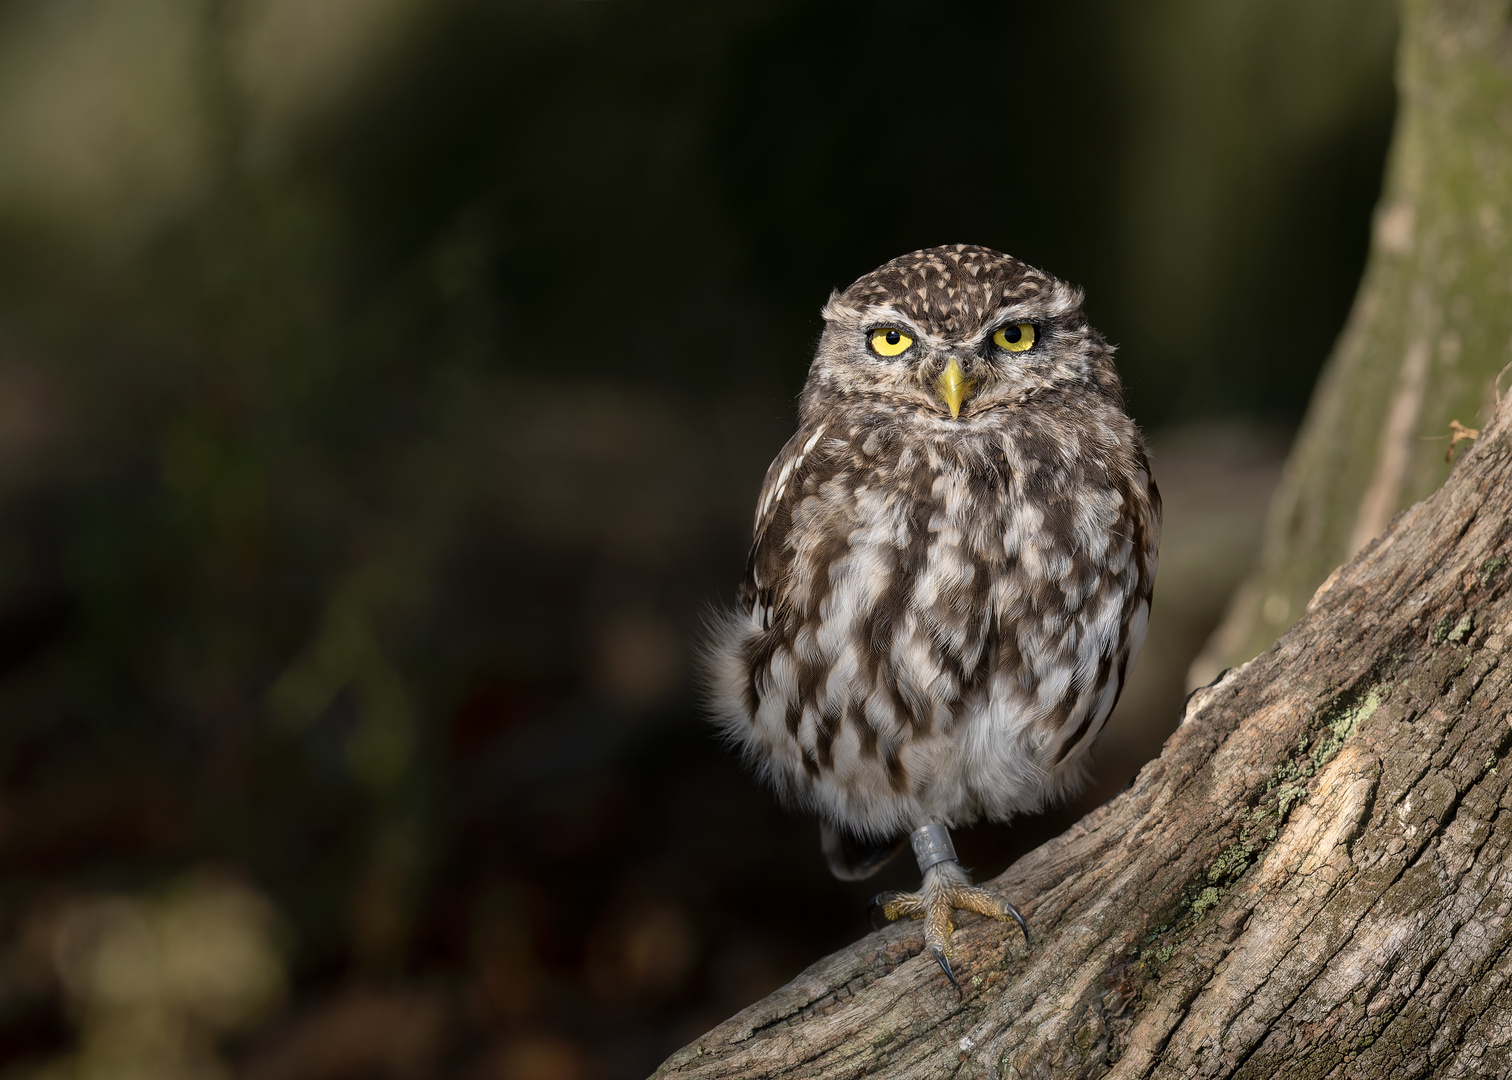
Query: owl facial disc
[954,387]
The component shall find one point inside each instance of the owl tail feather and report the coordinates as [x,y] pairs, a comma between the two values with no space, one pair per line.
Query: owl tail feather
[851,858]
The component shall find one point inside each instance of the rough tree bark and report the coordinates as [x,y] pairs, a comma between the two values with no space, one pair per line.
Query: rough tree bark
[1314,878]
[1430,330]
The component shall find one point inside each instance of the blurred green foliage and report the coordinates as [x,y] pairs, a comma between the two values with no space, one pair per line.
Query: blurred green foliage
[383,387]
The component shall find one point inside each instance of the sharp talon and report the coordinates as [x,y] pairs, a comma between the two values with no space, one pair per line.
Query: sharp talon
[947,888]
[939,955]
[1018,919]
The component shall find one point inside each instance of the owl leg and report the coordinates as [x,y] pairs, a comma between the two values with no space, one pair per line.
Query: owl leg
[947,888]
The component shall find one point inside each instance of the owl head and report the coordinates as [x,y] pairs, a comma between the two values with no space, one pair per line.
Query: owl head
[951,333]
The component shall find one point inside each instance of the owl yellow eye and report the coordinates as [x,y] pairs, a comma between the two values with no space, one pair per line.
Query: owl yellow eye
[1015,338]
[890,342]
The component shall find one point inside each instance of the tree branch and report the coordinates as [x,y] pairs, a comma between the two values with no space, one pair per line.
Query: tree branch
[1314,877]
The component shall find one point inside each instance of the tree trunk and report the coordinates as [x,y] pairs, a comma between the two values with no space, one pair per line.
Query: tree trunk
[1313,879]
[1429,333]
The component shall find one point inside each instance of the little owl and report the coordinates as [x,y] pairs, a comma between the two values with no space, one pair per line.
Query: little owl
[951,572]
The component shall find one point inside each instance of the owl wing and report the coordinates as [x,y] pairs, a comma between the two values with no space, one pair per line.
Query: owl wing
[1140,522]
[770,556]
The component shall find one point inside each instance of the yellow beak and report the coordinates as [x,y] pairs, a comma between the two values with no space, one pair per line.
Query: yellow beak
[953,387]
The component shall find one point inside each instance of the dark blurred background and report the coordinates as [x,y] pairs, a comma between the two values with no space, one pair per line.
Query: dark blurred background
[385,387]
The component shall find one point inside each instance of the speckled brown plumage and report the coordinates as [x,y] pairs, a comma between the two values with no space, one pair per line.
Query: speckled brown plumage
[938,613]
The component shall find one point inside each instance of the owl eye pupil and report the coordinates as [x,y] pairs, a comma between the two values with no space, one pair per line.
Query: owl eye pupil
[1012,333]
[889,341]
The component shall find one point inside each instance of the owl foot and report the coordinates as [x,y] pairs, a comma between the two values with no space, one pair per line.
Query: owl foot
[947,888]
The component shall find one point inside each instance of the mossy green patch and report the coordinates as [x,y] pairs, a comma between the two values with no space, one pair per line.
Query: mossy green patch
[1284,789]
[1231,863]
[1343,723]
[1207,898]
[1451,630]
[1491,569]
[1286,796]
